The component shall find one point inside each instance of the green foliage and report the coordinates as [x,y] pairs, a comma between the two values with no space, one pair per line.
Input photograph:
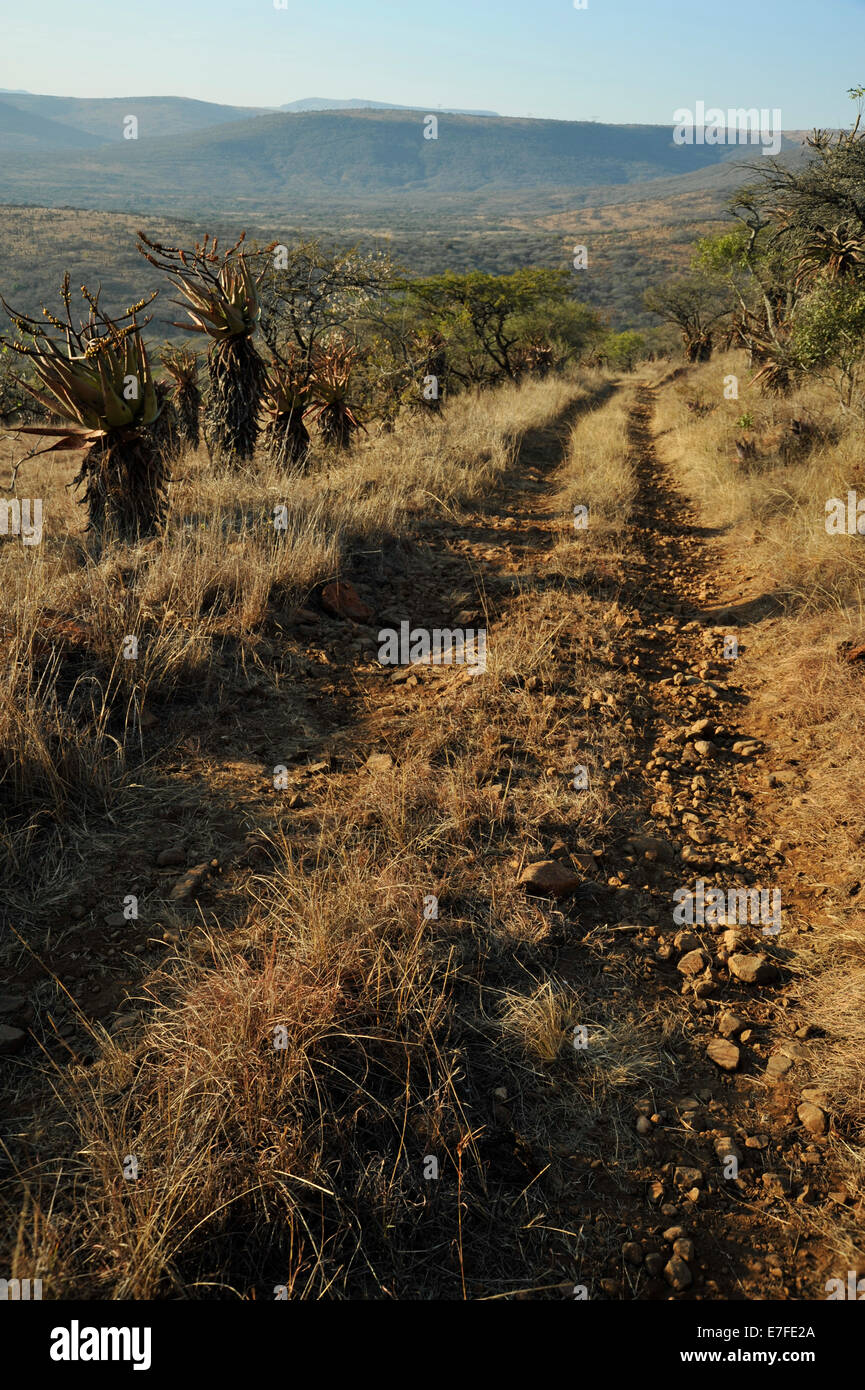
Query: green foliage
[485,319]
[622,351]
[829,332]
[722,254]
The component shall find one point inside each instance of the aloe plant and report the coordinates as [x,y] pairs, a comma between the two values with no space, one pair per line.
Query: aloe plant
[289,393]
[222,300]
[182,364]
[337,418]
[98,376]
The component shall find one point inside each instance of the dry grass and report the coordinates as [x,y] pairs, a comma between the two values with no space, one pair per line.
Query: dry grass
[70,701]
[307,1165]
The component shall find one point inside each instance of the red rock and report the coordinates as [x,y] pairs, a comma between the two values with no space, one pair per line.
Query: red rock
[343,601]
[550,879]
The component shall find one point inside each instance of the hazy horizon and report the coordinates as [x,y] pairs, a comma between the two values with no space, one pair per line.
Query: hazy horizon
[551,61]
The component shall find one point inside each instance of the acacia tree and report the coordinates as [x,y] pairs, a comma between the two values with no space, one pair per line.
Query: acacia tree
[694,305]
[312,297]
[490,320]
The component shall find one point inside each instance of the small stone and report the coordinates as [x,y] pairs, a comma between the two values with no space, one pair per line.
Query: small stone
[654,1263]
[751,970]
[702,726]
[725,1149]
[732,939]
[699,834]
[684,1248]
[776,1184]
[342,600]
[704,748]
[686,940]
[644,1125]
[586,862]
[655,1191]
[549,879]
[169,858]
[632,1252]
[812,1094]
[694,963]
[677,1273]
[673,1233]
[729,1025]
[379,762]
[14,1005]
[11,1039]
[777,1066]
[687,1177]
[724,1054]
[650,844]
[812,1117]
[698,856]
[189,883]
[501,1093]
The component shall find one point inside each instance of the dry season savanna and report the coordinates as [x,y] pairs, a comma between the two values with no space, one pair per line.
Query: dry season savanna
[431,829]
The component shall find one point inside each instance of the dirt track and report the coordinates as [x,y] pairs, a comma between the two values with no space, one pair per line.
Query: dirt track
[707,1153]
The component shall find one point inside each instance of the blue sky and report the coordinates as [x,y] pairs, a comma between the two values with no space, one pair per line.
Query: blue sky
[617,60]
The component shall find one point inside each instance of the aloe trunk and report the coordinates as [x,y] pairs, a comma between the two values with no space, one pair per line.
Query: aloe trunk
[187,403]
[287,440]
[237,376]
[336,426]
[125,480]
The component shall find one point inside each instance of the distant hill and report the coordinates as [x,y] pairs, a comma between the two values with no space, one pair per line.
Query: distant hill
[279,161]
[357,104]
[158,117]
[28,132]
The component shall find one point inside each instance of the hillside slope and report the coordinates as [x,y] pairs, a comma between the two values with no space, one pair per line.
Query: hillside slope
[363,155]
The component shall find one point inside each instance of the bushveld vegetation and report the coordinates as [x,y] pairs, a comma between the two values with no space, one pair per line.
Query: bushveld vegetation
[420,433]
